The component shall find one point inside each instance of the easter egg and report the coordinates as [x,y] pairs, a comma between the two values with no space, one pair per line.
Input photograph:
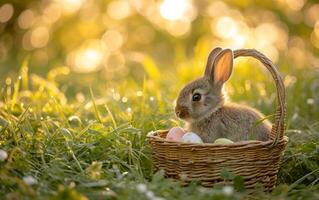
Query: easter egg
[175,134]
[191,137]
[223,141]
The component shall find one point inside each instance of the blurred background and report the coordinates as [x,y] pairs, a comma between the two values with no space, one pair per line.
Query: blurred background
[105,73]
[109,36]
[125,43]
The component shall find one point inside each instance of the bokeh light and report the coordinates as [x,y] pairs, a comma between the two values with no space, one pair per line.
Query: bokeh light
[295,5]
[87,58]
[312,15]
[70,6]
[226,27]
[60,32]
[26,19]
[52,12]
[112,40]
[6,12]
[119,9]
[178,28]
[39,37]
[176,9]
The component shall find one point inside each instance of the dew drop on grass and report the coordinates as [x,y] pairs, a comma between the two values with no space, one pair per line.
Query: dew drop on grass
[294,116]
[80,97]
[8,81]
[66,133]
[3,155]
[310,101]
[150,194]
[116,96]
[129,110]
[74,120]
[139,93]
[141,187]
[124,99]
[228,190]
[29,180]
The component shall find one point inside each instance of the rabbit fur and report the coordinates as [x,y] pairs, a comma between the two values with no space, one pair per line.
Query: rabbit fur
[201,103]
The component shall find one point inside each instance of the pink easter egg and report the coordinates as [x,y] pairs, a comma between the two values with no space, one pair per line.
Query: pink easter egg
[175,134]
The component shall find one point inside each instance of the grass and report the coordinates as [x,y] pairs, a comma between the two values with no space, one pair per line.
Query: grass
[81,142]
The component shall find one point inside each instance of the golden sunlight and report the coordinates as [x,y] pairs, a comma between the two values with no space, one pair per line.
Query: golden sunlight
[112,40]
[226,27]
[71,6]
[91,89]
[86,59]
[175,9]
[119,9]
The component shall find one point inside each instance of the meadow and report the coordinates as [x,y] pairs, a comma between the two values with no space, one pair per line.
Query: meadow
[80,91]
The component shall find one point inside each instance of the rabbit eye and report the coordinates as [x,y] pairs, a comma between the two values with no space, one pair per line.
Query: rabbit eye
[197,97]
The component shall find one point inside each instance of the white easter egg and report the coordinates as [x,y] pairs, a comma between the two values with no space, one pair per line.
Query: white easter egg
[191,137]
[223,141]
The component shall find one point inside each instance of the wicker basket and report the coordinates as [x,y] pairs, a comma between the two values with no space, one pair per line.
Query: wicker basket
[255,161]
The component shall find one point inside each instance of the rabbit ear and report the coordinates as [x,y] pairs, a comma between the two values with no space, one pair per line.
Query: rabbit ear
[210,61]
[223,66]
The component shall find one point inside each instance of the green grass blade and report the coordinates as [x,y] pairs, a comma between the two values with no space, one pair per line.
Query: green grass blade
[97,115]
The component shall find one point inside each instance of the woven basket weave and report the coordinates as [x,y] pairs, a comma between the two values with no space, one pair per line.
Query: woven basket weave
[255,161]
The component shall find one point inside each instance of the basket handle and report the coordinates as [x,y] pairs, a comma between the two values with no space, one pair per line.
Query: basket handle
[277,130]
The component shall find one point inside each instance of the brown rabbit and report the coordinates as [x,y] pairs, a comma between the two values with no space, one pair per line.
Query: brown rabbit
[201,104]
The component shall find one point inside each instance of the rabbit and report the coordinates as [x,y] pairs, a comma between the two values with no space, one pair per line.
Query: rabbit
[201,103]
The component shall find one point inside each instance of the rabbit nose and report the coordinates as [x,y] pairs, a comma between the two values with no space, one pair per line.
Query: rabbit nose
[181,112]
